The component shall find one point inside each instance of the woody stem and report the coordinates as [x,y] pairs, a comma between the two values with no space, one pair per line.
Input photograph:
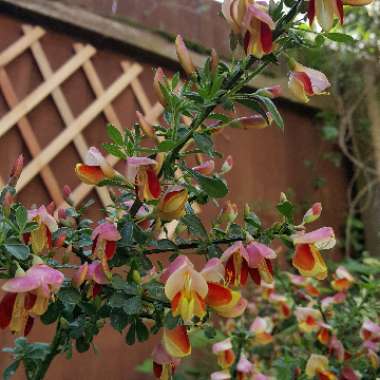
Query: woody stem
[54,350]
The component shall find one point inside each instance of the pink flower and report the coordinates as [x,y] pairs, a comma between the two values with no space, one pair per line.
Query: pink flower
[235,259]
[28,294]
[104,238]
[260,266]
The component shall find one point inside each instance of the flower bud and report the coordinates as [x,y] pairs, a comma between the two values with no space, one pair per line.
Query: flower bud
[158,81]
[67,191]
[16,170]
[136,276]
[313,213]
[172,203]
[283,198]
[255,121]
[214,61]
[205,168]
[270,92]
[184,56]
[229,213]
[145,126]
[227,165]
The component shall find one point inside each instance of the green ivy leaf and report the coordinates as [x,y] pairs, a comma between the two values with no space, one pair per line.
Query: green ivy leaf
[18,251]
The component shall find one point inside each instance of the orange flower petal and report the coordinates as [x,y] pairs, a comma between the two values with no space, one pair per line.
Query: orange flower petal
[91,175]
[176,342]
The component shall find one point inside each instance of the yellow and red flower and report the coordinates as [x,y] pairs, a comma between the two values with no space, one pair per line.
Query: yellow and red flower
[104,238]
[142,172]
[325,11]
[235,259]
[186,289]
[262,330]
[164,365]
[93,274]
[317,367]
[224,352]
[250,19]
[343,280]
[305,82]
[307,258]
[260,266]
[41,238]
[172,203]
[95,168]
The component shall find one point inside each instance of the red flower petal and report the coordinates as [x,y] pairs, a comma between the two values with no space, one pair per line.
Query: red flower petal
[6,309]
[266,38]
[311,11]
[110,249]
[29,301]
[28,326]
[218,295]
[255,275]
[153,183]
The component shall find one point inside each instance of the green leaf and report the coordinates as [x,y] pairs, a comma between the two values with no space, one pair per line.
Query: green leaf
[38,351]
[119,320]
[128,288]
[272,109]
[213,186]
[204,143]
[166,146]
[133,305]
[195,226]
[114,150]
[11,370]
[82,345]
[114,134]
[52,313]
[340,37]
[18,251]
[286,209]
[21,217]
[130,338]
[117,300]
[69,295]
[142,331]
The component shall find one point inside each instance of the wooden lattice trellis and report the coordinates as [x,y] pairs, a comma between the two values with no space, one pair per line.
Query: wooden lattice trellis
[74,126]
